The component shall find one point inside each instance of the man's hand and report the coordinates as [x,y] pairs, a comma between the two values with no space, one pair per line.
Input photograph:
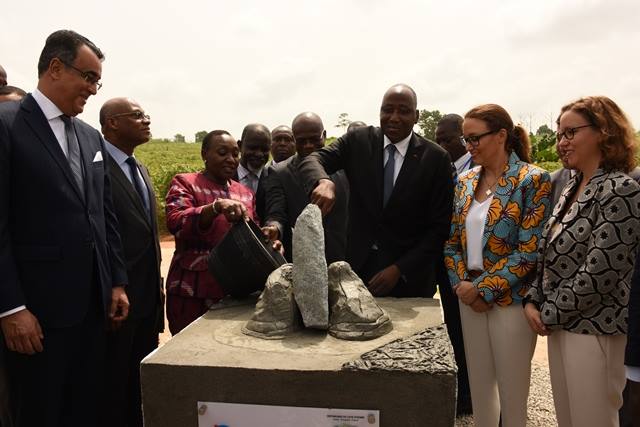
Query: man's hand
[22,332]
[119,306]
[384,281]
[480,305]
[277,245]
[532,314]
[271,232]
[324,195]
[466,292]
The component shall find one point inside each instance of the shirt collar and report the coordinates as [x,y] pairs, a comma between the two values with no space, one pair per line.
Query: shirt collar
[402,146]
[243,172]
[462,161]
[50,110]
[118,155]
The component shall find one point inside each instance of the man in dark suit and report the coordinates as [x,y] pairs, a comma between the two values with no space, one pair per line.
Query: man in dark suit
[286,198]
[255,144]
[448,133]
[283,145]
[125,126]
[60,252]
[630,415]
[400,198]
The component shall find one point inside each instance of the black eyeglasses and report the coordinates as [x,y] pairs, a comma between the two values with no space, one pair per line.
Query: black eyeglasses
[88,76]
[137,115]
[474,140]
[569,133]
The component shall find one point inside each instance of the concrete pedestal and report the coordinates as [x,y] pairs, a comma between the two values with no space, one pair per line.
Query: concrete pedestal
[409,375]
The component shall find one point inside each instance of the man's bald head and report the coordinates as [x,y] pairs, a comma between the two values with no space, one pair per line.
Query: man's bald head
[403,89]
[448,133]
[355,125]
[255,144]
[124,124]
[3,76]
[308,132]
[112,107]
[398,112]
[253,129]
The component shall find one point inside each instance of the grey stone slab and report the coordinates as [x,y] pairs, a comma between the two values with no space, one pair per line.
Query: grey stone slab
[211,360]
[354,313]
[310,281]
[276,314]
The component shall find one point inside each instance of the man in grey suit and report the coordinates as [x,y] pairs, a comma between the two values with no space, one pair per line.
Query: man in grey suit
[286,197]
[126,126]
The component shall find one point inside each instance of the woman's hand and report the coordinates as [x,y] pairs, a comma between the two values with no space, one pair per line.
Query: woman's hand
[233,210]
[532,314]
[480,305]
[466,292]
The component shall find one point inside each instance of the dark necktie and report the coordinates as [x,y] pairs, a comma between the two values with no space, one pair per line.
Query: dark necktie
[389,169]
[139,186]
[73,149]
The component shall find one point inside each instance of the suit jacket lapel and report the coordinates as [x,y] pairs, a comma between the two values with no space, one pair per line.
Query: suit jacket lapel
[152,195]
[377,169]
[121,179]
[572,213]
[38,123]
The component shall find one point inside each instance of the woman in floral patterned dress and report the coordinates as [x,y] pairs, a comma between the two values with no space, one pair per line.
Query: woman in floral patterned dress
[500,207]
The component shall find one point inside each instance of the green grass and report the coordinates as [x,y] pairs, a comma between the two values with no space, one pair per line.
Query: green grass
[164,161]
[167,159]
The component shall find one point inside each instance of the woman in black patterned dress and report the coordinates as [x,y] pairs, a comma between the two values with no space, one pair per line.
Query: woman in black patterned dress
[586,258]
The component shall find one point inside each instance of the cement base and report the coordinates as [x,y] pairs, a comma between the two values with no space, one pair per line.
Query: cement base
[411,380]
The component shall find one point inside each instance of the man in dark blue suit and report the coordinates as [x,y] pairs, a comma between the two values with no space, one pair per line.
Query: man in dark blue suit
[400,200]
[60,252]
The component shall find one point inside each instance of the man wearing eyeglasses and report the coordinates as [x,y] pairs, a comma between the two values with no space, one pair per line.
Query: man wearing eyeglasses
[286,198]
[400,200]
[60,252]
[125,126]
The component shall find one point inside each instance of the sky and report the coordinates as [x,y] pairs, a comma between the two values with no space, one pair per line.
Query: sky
[202,65]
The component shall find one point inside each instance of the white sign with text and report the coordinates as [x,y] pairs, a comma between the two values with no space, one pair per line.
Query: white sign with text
[218,414]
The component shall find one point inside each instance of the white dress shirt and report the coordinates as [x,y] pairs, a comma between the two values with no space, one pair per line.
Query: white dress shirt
[474,224]
[401,151]
[52,113]
[248,178]
[463,163]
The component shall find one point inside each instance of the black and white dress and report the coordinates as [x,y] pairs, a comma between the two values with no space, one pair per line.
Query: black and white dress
[586,256]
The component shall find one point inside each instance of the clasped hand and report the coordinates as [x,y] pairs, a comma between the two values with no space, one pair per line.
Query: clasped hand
[469,295]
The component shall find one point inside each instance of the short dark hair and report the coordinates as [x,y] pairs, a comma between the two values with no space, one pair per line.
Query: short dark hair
[8,90]
[64,44]
[206,141]
[452,121]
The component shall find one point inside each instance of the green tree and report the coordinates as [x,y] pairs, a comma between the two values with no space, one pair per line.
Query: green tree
[544,130]
[200,135]
[343,121]
[178,137]
[427,122]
